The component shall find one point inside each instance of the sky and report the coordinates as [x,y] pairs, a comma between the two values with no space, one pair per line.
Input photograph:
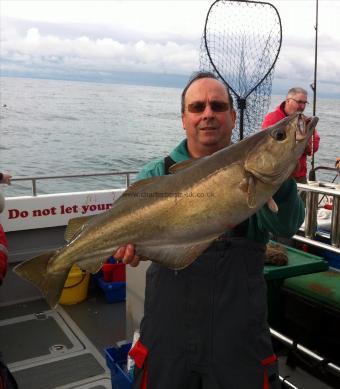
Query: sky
[97,40]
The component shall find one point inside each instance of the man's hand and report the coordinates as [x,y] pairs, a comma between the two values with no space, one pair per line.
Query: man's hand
[127,255]
[297,168]
[271,204]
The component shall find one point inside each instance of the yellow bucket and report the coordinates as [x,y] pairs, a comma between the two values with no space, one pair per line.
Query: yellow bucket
[76,286]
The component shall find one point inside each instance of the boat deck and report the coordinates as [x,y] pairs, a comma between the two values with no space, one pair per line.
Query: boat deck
[60,348]
[64,347]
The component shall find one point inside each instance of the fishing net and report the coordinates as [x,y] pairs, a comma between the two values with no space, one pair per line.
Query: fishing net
[240,44]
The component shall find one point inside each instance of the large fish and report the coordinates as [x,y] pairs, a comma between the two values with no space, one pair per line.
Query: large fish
[172,219]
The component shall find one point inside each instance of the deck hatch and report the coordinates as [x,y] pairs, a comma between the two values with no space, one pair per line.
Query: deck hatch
[59,373]
[36,337]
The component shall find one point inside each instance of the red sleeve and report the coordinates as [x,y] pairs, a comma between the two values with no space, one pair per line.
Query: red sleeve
[3,266]
[269,120]
[316,141]
[315,144]
[3,254]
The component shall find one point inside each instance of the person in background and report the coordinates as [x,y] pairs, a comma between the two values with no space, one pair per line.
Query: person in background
[7,380]
[3,246]
[337,163]
[296,100]
[5,178]
[205,327]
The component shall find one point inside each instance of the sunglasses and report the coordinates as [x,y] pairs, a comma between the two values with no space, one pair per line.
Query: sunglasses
[300,101]
[215,105]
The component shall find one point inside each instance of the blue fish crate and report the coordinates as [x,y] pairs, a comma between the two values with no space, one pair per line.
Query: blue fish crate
[116,359]
[114,292]
[332,258]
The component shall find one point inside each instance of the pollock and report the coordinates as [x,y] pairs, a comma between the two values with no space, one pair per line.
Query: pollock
[172,219]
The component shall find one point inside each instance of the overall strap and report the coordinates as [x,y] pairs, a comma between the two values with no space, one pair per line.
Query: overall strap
[168,162]
[240,231]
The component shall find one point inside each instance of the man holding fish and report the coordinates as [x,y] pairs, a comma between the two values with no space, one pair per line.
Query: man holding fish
[204,227]
[205,327]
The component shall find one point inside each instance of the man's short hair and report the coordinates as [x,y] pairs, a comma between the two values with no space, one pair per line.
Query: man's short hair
[197,76]
[294,91]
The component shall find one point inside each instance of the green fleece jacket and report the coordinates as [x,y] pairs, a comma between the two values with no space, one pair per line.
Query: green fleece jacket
[285,223]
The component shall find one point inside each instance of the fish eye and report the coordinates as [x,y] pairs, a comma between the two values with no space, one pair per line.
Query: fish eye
[279,134]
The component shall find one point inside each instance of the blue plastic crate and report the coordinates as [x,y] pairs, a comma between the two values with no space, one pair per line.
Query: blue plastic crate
[111,260]
[114,291]
[332,258]
[116,358]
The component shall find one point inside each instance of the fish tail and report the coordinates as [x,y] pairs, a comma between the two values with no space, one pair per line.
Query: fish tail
[35,271]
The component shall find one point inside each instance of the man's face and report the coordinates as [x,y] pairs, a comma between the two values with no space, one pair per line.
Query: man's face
[295,103]
[207,119]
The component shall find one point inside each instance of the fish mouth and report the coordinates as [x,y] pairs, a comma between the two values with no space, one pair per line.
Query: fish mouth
[312,122]
[305,126]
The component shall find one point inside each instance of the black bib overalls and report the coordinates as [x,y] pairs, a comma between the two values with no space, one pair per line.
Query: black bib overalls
[205,326]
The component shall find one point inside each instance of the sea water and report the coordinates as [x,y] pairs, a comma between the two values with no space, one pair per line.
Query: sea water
[56,127]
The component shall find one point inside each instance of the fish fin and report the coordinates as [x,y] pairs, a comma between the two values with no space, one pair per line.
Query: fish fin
[183,165]
[243,185]
[248,185]
[35,271]
[173,256]
[93,264]
[251,192]
[272,205]
[75,226]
